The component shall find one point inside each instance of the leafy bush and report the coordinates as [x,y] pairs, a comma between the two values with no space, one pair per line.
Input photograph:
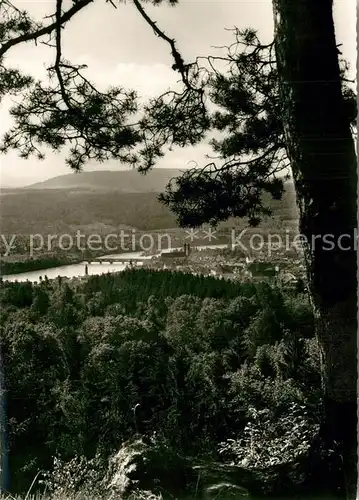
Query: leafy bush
[270,439]
[77,475]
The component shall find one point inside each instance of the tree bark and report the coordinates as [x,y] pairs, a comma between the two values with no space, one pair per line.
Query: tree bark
[321,149]
[4,472]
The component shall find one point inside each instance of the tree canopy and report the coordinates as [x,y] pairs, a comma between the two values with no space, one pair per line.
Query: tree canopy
[78,356]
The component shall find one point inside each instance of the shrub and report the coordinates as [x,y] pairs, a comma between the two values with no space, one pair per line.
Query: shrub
[275,448]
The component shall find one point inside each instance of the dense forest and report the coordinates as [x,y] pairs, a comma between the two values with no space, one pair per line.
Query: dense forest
[190,363]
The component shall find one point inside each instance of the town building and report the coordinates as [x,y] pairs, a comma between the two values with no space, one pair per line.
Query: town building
[177,254]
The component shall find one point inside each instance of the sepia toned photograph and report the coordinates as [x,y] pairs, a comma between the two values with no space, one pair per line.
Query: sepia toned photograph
[178,250]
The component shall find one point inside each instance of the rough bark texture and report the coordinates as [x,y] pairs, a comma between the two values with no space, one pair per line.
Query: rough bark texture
[322,154]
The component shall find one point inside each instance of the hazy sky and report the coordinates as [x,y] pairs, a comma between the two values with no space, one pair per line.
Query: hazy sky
[121,49]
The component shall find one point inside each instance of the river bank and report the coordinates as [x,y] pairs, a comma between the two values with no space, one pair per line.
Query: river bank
[22,266]
[37,264]
[75,266]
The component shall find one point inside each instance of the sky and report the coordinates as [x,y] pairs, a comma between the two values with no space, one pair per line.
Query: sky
[121,49]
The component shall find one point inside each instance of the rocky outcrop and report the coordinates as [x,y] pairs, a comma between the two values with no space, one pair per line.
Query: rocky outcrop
[148,466]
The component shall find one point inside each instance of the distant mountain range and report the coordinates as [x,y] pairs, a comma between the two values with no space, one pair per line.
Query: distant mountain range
[128,181]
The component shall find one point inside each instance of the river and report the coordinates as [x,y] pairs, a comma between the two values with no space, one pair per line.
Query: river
[78,270]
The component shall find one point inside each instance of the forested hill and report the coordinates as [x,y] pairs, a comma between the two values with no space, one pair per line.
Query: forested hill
[65,210]
[127,181]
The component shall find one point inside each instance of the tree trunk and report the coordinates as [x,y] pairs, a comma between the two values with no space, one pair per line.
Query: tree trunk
[321,149]
[4,473]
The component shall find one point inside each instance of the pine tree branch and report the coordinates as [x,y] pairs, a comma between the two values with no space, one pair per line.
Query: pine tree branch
[233,163]
[179,65]
[46,30]
[58,54]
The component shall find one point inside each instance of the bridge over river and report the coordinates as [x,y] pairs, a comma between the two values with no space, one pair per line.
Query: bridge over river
[113,260]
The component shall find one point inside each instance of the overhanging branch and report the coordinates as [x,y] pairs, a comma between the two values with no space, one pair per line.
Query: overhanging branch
[58,54]
[46,30]
[179,65]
